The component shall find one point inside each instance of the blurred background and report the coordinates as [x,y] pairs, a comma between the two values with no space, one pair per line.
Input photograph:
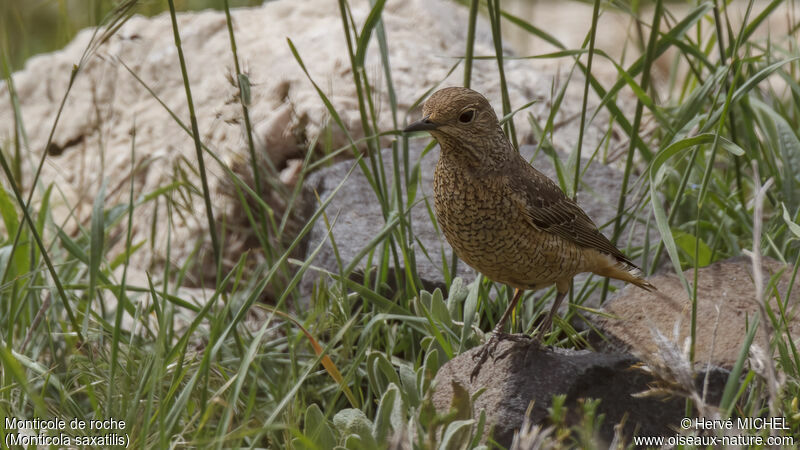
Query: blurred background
[29,27]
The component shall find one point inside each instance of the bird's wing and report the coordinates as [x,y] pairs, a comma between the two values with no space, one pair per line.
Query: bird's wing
[547,208]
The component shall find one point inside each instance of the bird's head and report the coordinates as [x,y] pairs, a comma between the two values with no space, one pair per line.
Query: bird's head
[463,122]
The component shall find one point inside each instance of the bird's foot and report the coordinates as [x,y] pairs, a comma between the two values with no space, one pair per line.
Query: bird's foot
[512,337]
[483,354]
[542,329]
[488,349]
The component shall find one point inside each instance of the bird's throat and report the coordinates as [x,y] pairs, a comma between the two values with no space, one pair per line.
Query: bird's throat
[458,154]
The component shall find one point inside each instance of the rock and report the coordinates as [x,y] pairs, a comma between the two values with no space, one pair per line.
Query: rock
[356,226]
[523,372]
[725,302]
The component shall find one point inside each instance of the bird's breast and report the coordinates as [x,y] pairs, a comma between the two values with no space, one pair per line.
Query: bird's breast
[489,231]
[474,214]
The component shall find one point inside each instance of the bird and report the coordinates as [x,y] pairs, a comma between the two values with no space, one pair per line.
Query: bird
[503,217]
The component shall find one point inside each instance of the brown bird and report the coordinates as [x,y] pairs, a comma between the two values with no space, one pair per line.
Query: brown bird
[504,218]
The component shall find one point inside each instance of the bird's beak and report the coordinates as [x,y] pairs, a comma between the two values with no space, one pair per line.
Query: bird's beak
[422,125]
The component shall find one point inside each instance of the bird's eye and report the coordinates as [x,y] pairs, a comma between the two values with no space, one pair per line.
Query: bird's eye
[467,116]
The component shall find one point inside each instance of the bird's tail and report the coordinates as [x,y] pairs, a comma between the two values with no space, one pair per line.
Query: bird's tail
[621,271]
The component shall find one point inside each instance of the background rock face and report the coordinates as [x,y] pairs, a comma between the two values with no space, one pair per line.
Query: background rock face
[726,302]
[359,217]
[92,141]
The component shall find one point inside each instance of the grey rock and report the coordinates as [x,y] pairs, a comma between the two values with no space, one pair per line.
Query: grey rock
[524,372]
[359,218]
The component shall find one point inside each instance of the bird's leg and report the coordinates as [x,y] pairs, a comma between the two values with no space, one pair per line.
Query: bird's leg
[498,329]
[497,336]
[547,323]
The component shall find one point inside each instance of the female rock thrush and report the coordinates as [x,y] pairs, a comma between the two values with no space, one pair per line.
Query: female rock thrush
[504,218]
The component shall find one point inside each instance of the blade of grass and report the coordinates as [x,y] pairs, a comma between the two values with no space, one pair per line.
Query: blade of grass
[212,224]
[97,238]
[470,44]
[582,126]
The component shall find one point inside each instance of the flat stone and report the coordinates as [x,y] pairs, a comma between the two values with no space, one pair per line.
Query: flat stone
[725,304]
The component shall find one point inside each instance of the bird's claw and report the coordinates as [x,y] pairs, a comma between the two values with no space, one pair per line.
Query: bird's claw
[488,349]
[512,337]
[482,355]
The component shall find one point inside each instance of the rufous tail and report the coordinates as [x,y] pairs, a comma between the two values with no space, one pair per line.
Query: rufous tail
[622,272]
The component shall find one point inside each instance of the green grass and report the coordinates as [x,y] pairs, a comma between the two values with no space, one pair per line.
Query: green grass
[355,367]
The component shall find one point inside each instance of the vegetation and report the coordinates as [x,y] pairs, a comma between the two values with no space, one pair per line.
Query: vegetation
[355,368]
